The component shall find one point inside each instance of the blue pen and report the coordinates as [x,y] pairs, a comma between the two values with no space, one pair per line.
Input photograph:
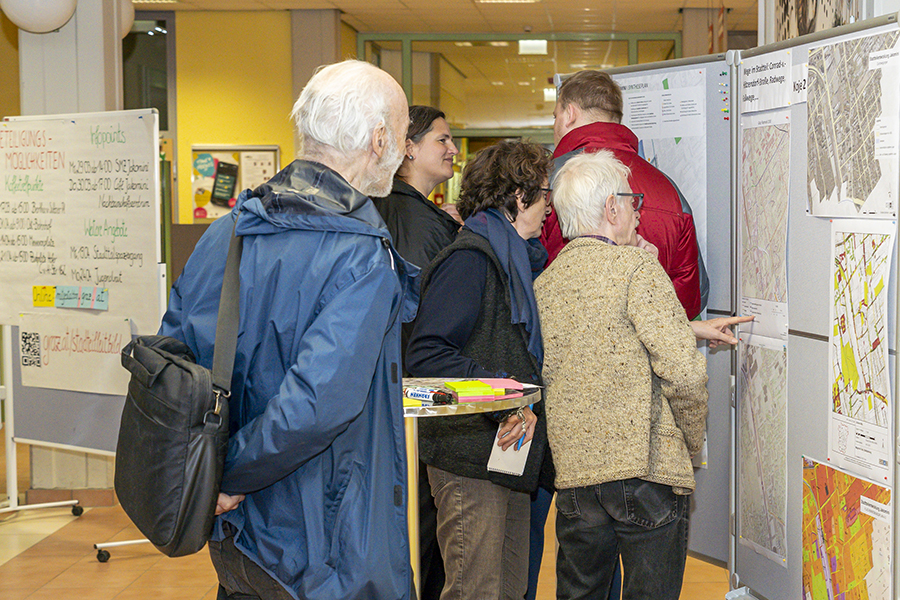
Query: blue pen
[519,443]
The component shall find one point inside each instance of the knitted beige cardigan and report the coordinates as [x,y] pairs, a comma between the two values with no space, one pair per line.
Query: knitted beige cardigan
[626,385]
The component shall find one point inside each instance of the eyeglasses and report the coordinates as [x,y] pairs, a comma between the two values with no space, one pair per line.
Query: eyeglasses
[547,192]
[637,200]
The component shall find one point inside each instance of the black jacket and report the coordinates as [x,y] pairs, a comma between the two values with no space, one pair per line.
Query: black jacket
[419,228]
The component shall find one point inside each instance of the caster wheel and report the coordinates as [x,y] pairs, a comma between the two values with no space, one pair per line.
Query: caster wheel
[77,510]
[102,556]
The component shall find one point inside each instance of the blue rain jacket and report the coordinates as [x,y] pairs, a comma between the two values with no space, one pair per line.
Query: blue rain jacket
[317,438]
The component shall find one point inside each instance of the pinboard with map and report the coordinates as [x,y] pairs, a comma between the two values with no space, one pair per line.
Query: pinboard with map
[817,141]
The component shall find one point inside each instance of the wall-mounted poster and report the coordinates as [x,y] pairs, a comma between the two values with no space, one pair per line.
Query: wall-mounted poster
[800,17]
[221,173]
[847,538]
[852,147]
[861,424]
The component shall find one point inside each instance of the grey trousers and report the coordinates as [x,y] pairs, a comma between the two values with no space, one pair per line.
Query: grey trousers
[483,534]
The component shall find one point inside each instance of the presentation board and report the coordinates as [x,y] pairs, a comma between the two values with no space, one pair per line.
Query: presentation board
[80,209]
[80,252]
[676,110]
[817,148]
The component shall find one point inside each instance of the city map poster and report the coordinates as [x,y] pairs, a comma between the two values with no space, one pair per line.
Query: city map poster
[847,538]
[861,423]
[762,446]
[667,113]
[763,195]
[853,127]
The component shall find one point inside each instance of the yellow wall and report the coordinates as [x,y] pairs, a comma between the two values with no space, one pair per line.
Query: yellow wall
[231,91]
[348,41]
[9,68]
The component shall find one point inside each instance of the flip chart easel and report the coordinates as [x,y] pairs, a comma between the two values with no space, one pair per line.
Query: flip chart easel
[79,210]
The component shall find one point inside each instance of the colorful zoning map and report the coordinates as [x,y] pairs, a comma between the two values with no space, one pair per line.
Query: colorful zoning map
[762,431]
[853,127]
[860,381]
[846,536]
[765,176]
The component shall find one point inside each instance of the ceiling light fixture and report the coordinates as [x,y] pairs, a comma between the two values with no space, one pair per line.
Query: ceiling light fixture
[499,44]
[532,47]
[464,44]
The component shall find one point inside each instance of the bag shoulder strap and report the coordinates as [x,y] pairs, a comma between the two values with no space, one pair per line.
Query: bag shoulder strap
[228,320]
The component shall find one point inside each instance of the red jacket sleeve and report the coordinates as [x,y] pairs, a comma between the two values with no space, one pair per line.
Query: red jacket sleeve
[683,267]
[551,236]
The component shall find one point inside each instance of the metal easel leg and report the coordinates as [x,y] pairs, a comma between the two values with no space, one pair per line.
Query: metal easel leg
[12,489]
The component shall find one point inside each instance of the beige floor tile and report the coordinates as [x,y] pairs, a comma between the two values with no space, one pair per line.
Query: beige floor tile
[16,594]
[95,574]
[85,593]
[45,520]
[212,594]
[698,570]
[704,590]
[13,545]
[157,578]
[162,593]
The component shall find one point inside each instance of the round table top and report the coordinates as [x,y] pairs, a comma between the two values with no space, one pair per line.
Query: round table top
[530,395]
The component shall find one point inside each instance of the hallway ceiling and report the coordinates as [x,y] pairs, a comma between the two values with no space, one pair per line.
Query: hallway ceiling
[497,87]
[471,16]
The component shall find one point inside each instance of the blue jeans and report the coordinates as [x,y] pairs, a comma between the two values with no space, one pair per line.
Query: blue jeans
[644,522]
[482,529]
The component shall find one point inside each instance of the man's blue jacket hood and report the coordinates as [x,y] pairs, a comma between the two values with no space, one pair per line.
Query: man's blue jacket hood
[317,439]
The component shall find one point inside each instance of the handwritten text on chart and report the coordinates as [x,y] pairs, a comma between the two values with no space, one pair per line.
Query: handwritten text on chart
[38,350]
[79,211]
[70,296]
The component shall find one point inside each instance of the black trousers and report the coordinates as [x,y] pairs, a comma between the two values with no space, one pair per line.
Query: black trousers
[239,577]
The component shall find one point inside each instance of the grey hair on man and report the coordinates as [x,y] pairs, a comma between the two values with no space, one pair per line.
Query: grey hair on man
[581,188]
[348,114]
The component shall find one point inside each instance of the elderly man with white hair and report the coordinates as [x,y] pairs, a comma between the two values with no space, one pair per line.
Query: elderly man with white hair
[626,393]
[314,488]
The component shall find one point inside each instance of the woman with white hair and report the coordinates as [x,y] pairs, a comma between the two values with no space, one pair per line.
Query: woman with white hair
[626,393]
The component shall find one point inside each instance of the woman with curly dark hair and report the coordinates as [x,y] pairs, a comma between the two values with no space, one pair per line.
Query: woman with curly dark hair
[478,318]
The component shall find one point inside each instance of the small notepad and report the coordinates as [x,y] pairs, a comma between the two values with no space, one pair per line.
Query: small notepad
[511,462]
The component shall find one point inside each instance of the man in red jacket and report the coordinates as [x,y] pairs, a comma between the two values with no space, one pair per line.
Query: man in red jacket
[588,117]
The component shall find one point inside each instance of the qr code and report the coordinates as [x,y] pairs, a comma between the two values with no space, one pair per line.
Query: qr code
[31,349]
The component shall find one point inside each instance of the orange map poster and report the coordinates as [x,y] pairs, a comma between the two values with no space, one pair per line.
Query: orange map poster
[847,538]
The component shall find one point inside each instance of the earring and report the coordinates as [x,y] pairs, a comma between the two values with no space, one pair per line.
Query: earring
[410,157]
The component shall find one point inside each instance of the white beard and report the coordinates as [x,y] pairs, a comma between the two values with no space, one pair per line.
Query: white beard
[377,184]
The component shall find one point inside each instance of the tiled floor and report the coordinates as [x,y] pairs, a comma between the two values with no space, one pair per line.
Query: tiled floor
[48,554]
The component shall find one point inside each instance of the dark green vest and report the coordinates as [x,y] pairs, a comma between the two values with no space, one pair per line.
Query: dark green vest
[462,444]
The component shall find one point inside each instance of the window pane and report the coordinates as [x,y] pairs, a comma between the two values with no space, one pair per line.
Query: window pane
[655,50]
[491,84]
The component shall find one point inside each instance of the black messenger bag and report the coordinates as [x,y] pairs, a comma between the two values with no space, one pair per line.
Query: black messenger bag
[173,435]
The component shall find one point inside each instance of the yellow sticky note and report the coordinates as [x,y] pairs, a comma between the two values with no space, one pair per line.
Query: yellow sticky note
[43,295]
